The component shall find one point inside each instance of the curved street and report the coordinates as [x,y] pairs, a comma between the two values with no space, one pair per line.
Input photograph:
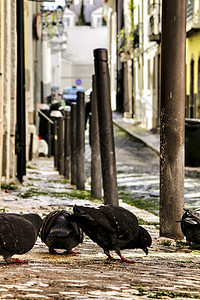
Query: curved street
[170,270]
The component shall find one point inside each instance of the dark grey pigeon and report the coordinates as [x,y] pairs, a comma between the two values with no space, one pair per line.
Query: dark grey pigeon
[58,232]
[190,226]
[17,235]
[112,228]
[35,219]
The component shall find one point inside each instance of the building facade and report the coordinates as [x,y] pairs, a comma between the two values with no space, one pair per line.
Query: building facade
[192,105]
[73,64]
[138,68]
[20,82]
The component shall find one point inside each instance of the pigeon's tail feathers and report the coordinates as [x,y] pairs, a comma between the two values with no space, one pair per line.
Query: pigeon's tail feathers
[195,214]
[61,232]
[191,221]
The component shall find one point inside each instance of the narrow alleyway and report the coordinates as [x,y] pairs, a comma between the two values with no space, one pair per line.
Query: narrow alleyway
[170,270]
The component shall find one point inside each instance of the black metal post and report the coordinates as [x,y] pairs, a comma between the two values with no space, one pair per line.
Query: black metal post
[49,138]
[60,146]
[31,147]
[67,151]
[21,107]
[73,144]
[96,186]
[55,143]
[107,147]
[172,117]
[80,141]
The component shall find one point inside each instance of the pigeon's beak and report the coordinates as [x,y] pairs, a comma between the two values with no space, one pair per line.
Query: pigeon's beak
[146,250]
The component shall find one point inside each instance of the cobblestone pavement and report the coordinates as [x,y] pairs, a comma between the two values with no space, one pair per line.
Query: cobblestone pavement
[168,271]
[171,270]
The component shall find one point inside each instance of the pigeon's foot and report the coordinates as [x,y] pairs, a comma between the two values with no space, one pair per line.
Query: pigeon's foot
[123,259]
[74,252]
[70,252]
[110,258]
[52,251]
[20,261]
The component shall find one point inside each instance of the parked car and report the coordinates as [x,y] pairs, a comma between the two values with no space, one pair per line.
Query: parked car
[70,94]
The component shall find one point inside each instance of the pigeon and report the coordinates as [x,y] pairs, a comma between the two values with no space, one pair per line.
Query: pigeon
[112,228]
[190,226]
[35,219]
[58,232]
[18,234]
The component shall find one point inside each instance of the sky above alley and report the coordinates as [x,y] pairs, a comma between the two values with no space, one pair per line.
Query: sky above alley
[53,5]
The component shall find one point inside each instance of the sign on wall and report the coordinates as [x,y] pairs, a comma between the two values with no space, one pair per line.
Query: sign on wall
[78,81]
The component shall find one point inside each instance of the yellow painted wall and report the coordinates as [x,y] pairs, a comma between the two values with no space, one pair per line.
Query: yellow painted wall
[192,52]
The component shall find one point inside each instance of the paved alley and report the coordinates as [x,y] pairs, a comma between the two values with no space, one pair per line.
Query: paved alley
[168,271]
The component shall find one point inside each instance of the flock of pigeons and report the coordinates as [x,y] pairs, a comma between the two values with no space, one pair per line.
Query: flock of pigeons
[111,227]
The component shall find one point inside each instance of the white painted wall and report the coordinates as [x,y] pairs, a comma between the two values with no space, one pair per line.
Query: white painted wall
[82,40]
[46,68]
[77,60]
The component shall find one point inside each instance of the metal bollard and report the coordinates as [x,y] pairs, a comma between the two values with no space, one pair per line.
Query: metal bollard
[80,141]
[55,150]
[73,144]
[67,148]
[31,147]
[49,138]
[60,146]
[96,185]
[105,127]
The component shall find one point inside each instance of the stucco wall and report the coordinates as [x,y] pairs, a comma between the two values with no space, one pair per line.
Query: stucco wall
[1,80]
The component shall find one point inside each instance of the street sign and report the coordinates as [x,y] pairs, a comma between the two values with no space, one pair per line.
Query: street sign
[78,81]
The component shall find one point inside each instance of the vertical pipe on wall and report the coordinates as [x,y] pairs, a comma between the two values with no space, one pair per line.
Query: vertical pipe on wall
[21,119]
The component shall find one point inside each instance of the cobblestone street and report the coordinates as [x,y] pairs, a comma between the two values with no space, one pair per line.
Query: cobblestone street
[168,271]
[171,270]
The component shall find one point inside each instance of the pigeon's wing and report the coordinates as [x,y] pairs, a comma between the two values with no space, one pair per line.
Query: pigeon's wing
[194,214]
[190,221]
[35,219]
[124,222]
[77,230]
[95,214]
[48,222]
[17,235]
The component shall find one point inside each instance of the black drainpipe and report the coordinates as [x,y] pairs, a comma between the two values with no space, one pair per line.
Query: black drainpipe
[20,144]
[119,64]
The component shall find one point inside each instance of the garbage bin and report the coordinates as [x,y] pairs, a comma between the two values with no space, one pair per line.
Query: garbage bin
[192,142]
